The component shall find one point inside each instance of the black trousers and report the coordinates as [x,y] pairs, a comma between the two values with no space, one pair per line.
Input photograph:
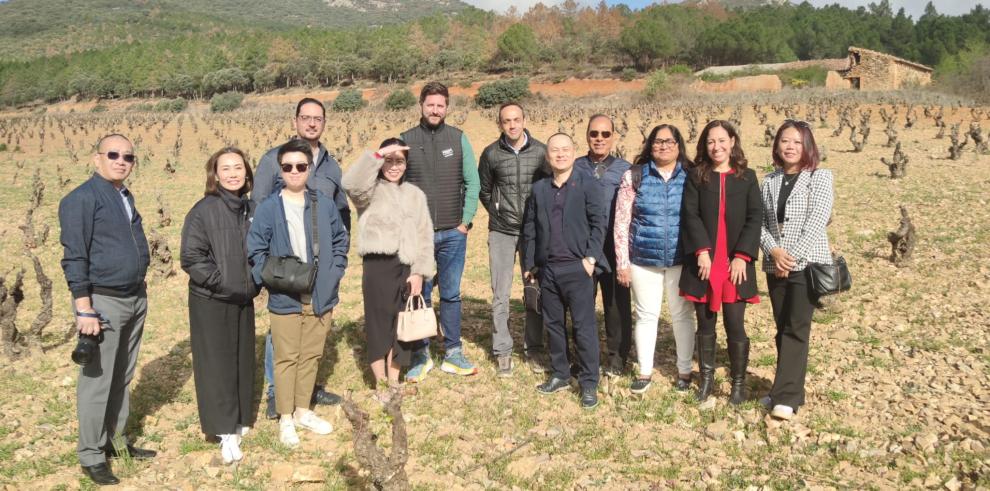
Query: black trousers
[617,303]
[567,287]
[793,305]
[735,320]
[222,339]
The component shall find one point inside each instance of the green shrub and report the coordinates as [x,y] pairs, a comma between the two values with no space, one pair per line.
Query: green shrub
[176,105]
[99,108]
[228,101]
[3,147]
[679,69]
[655,83]
[812,76]
[400,99]
[141,107]
[628,74]
[501,91]
[348,100]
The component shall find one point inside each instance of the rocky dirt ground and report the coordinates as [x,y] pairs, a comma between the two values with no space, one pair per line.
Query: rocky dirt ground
[898,384]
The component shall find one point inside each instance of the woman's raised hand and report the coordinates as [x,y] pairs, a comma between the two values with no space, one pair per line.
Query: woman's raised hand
[390,149]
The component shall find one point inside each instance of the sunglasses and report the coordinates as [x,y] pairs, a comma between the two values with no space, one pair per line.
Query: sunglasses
[604,134]
[300,168]
[128,157]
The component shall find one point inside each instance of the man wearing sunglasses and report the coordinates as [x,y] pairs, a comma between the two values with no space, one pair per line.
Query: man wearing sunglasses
[608,169]
[325,176]
[105,258]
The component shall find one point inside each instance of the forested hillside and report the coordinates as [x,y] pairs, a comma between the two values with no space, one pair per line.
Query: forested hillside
[32,28]
[183,48]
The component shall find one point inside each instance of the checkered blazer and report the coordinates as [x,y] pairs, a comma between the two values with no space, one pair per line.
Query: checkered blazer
[809,208]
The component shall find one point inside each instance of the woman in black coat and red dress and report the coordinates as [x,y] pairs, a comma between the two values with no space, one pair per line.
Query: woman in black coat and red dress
[722,217]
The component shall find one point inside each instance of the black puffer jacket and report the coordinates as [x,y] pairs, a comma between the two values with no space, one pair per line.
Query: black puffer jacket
[507,180]
[214,252]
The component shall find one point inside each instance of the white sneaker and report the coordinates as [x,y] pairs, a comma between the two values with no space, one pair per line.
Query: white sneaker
[314,423]
[783,412]
[242,431]
[235,450]
[287,432]
[227,444]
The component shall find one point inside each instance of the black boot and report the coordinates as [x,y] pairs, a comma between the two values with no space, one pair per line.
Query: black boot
[706,365]
[738,361]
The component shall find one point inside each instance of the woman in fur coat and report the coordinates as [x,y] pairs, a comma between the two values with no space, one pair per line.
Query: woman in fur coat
[395,242]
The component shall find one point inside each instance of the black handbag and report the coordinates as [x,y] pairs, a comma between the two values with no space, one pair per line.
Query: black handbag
[829,279]
[287,274]
[531,294]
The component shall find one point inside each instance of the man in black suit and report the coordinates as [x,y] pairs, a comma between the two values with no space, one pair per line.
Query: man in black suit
[563,231]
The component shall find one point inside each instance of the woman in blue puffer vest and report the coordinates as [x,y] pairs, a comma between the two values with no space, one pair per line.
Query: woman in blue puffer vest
[648,248]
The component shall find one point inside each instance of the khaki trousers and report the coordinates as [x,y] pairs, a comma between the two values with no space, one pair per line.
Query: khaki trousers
[298,340]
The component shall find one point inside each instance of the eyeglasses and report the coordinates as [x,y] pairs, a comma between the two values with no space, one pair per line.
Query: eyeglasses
[315,119]
[128,157]
[797,122]
[300,168]
[595,133]
[664,143]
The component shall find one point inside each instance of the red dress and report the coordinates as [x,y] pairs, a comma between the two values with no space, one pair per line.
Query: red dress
[720,287]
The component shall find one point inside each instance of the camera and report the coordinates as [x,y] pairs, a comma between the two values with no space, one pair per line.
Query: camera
[87,348]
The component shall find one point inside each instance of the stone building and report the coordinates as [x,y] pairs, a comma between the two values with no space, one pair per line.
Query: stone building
[873,70]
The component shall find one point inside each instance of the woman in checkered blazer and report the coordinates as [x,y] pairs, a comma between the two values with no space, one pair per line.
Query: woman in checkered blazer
[797,205]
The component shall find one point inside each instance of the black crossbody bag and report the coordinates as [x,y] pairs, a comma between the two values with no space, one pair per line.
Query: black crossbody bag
[828,279]
[287,274]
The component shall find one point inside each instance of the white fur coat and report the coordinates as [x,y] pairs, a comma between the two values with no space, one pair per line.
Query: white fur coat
[392,218]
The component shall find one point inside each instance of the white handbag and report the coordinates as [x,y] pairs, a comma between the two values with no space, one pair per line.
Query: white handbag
[416,323]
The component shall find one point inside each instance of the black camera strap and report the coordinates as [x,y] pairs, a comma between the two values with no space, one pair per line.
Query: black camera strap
[316,238]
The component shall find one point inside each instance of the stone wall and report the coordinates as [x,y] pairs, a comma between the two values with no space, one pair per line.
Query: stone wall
[756,83]
[907,76]
[834,81]
[878,71]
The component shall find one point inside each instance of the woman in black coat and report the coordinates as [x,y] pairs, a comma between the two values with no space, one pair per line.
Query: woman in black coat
[720,226]
[221,300]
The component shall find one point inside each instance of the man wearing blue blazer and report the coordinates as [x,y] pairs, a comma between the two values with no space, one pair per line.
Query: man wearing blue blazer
[563,232]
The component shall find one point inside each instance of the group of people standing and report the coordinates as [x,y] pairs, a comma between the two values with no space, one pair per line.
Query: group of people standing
[665,226]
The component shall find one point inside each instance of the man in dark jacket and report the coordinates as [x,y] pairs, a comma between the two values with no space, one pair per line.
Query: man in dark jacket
[616,299]
[563,231]
[442,164]
[105,259]
[309,123]
[507,170]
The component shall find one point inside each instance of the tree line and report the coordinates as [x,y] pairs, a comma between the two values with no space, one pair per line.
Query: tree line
[565,39]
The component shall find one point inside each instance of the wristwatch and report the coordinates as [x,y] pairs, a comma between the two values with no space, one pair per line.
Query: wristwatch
[590,260]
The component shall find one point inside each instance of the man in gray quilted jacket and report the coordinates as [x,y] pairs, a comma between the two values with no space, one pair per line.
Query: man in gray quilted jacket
[507,170]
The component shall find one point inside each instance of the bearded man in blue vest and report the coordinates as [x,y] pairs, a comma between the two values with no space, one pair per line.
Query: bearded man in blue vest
[442,164]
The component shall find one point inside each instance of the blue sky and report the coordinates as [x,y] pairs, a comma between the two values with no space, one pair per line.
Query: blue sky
[913,8]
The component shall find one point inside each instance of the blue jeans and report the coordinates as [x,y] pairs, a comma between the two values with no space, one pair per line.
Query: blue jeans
[449,249]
